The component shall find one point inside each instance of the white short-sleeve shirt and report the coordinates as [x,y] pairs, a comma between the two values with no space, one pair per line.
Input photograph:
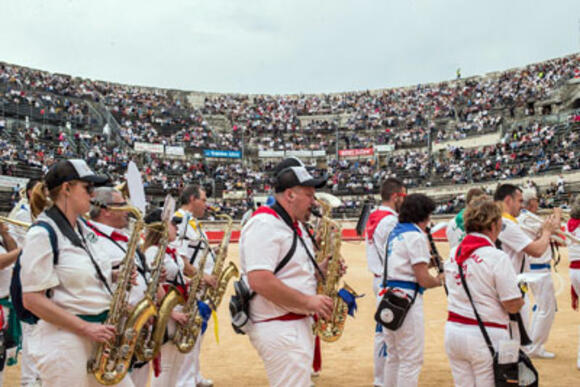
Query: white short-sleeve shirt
[574,248]
[22,214]
[116,251]
[74,283]
[190,239]
[375,247]
[454,233]
[547,256]
[405,250]
[5,275]
[264,242]
[513,242]
[491,279]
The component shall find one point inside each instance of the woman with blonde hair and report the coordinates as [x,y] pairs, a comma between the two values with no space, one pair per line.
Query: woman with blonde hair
[491,281]
[66,284]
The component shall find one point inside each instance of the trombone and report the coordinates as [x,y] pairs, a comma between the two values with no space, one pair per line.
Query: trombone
[15,222]
[558,235]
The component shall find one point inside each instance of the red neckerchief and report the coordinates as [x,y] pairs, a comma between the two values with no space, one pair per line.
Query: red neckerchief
[468,245]
[573,224]
[116,236]
[270,211]
[374,220]
[172,252]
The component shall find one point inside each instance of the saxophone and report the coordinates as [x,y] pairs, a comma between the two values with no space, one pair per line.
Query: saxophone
[186,335]
[150,340]
[214,295]
[112,359]
[330,244]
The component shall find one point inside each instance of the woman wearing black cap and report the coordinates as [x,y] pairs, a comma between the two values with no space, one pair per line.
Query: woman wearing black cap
[65,282]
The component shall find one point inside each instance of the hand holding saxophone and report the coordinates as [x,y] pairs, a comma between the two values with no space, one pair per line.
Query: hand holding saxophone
[210,280]
[97,332]
[320,305]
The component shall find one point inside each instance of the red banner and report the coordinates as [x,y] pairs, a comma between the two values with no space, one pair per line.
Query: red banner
[356,152]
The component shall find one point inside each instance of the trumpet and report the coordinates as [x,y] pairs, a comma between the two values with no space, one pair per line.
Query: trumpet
[533,223]
[15,222]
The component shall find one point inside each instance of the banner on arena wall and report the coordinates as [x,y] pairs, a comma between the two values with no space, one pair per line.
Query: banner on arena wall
[11,181]
[289,153]
[223,154]
[174,150]
[270,153]
[235,195]
[385,148]
[147,147]
[356,152]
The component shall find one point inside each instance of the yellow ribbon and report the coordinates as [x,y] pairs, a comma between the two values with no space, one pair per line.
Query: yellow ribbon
[215,326]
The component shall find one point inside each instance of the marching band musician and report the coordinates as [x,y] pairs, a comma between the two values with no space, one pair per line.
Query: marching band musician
[407,260]
[171,358]
[8,253]
[381,222]
[492,283]
[21,212]
[574,257]
[280,267]
[515,242]
[71,296]
[191,241]
[455,228]
[108,228]
[542,287]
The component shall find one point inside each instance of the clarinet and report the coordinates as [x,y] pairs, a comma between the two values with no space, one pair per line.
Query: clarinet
[436,257]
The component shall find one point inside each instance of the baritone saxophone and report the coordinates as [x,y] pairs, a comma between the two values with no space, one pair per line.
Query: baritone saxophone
[112,359]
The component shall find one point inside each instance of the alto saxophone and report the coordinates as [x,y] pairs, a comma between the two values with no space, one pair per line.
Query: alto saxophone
[113,358]
[186,335]
[330,243]
[151,339]
[214,295]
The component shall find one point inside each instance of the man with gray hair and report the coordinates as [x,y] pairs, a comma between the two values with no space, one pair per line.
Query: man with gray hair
[541,284]
[109,229]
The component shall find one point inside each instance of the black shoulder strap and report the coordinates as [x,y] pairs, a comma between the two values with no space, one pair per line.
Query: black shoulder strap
[288,255]
[66,229]
[479,322]
[52,237]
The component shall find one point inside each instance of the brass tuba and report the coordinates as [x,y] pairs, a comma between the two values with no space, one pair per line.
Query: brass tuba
[112,359]
[330,233]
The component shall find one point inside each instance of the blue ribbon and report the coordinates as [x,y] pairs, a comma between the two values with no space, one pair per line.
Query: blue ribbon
[205,312]
[350,300]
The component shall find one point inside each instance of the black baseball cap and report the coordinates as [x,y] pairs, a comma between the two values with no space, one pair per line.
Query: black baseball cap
[74,169]
[291,172]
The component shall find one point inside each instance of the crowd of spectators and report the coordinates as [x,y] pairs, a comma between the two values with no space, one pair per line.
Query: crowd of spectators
[406,118]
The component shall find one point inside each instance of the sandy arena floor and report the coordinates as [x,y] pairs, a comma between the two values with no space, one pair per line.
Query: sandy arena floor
[348,362]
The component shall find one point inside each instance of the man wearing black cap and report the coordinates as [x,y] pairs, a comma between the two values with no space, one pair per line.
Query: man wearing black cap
[278,261]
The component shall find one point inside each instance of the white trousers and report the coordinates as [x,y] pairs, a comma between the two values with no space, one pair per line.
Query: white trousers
[544,313]
[469,356]
[405,349]
[171,362]
[190,372]
[28,372]
[140,376]
[380,344]
[61,357]
[287,349]
[575,281]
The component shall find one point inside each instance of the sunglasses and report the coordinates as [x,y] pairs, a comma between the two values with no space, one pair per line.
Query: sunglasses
[121,204]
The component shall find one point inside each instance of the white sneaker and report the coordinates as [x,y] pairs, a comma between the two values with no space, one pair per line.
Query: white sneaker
[543,354]
[205,383]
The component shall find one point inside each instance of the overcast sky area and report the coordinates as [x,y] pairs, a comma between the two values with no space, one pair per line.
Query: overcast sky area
[280,47]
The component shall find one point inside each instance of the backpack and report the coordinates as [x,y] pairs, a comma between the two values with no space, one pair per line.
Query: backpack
[15,283]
